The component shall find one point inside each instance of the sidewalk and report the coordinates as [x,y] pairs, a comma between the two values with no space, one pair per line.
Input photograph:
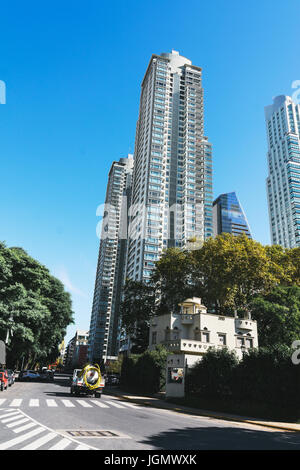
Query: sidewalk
[158,401]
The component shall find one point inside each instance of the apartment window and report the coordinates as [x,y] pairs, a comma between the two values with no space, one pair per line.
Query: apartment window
[205,337]
[222,338]
[154,337]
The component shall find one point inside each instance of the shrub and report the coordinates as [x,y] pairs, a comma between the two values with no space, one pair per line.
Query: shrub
[145,373]
[212,376]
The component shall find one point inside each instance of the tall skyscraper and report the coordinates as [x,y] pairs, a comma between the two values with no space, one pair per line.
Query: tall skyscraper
[105,321]
[229,217]
[283,182]
[172,179]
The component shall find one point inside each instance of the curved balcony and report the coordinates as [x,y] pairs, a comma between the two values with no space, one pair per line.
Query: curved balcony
[244,324]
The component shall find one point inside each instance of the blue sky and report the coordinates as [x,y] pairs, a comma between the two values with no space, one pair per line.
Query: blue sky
[73,72]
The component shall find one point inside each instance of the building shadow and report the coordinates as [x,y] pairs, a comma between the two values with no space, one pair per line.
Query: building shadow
[223,438]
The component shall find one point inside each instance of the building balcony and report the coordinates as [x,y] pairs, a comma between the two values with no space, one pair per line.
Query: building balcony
[244,324]
[187,346]
[187,319]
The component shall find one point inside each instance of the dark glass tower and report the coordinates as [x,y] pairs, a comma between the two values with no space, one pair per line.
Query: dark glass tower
[229,217]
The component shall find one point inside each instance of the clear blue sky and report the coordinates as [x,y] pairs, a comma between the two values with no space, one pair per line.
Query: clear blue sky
[73,72]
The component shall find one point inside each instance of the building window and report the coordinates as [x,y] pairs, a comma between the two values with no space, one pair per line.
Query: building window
[205,337]
[222,338]
[154,335]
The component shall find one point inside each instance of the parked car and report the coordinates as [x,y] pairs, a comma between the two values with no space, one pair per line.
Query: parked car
[113,380]
[11,377]
[47,375]
[3,380]
[28,375]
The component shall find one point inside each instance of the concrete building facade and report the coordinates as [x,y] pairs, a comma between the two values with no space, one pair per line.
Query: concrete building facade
[172,178]
[193,331]
[105,316]
[283,181]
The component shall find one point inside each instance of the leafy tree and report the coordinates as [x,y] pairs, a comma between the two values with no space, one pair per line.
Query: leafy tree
[172,279]
[229,270]
[34,307]
[278,315]
[137,305]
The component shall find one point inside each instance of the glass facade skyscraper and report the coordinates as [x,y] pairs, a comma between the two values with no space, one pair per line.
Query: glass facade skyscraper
[283,181]
[229,217]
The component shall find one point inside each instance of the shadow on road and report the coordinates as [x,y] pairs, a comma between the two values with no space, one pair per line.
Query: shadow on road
[223,438]
[58,394]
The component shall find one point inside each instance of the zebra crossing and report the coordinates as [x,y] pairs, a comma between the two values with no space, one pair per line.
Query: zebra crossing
[65,403]
[31,435]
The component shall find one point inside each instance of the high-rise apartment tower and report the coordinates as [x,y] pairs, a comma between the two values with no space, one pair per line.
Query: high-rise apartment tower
[105,321]
[283,182]
[172,179]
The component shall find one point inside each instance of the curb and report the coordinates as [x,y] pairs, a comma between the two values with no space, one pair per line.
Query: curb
[208,415]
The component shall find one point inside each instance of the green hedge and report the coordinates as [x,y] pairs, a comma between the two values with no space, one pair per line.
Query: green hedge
[144,373]
[266,379]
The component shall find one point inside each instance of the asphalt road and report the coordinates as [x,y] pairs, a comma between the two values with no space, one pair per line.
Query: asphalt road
[45,416]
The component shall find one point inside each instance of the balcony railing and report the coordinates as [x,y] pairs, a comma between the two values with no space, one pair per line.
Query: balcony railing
[244,324]
[187,345]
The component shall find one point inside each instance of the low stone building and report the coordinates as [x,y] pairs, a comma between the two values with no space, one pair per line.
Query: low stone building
[189,334]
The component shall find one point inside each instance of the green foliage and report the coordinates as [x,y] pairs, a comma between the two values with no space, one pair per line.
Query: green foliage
[172,279]
[229,270]
[211,376]
[115,367]
[228,273]
[265,379]
[145,373]
[273,376]
[278,315]
[34,308]
[137,306]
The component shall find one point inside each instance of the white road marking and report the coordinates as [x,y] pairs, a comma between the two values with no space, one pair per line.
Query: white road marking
[23,428]
[34,402]
[82,447]
[130,404]
[41,441]
[12,418]
[16,402]
[38,428]
[117,405]
[9,413]
[84,404]
[18,440]
[2,400]
[51,403]
[100,403]
[17,423]
[68,403]
[61,444]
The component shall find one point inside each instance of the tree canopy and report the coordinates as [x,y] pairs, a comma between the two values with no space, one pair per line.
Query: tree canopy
[35,309]
[231,274]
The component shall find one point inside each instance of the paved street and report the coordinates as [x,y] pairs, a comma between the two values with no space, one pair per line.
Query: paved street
[45,416]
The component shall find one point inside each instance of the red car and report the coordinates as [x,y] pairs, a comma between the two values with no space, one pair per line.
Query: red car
[3,381]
